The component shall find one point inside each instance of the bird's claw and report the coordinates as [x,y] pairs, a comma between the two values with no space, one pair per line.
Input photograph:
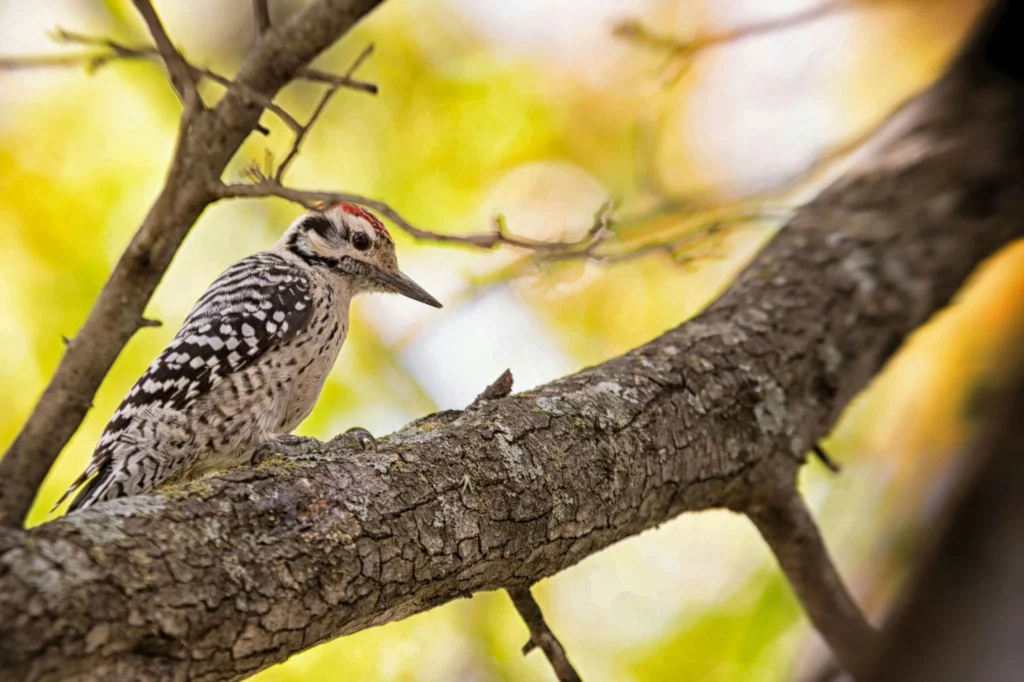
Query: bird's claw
[287,445]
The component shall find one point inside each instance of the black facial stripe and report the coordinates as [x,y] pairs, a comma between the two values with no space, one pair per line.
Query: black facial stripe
[319,224]
[317,261]
[293,244]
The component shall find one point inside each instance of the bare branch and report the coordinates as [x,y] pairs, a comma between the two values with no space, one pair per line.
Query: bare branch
[177,67]
[111,50]
[318,76]
[541,635]
[114,50]
[585,248]
[302,131]
[788,528]
[266,187]
[261,16]
[121,51]
[253,96]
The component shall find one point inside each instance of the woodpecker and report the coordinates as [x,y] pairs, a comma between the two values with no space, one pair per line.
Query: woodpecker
[250,359]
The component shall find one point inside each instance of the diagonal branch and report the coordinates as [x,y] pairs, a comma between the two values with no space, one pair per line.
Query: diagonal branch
[177,67]
[302,131]
[541,635]
[787,526]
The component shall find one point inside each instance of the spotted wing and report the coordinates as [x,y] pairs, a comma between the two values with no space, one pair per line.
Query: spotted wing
[255,306]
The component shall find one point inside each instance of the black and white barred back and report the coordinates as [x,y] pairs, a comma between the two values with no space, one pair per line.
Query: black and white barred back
[250,360]
[260,304]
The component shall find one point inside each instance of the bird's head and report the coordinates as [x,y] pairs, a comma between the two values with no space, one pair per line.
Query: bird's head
[344,240]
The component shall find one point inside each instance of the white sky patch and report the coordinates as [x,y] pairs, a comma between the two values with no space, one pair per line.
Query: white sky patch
[574,35]
[763,110]
[460,355]
[24,31]
[457,351]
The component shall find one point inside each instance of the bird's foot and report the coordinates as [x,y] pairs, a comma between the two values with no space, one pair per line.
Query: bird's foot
[358,436]
[291,447]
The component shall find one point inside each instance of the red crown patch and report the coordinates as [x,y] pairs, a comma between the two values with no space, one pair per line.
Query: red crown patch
[352,209]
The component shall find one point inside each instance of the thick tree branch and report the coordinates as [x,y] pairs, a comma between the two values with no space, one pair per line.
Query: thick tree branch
[207,143]
[239,571]
[522,597]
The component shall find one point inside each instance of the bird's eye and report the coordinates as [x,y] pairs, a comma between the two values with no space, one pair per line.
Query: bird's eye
[361,241]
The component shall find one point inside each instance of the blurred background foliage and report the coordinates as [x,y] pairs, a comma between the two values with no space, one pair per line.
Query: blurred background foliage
[535,110]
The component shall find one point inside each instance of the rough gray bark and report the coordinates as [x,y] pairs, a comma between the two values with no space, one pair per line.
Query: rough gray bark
[207,142]
[239,571]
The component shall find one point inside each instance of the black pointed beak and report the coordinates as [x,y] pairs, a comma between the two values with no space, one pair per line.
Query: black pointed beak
[402,284]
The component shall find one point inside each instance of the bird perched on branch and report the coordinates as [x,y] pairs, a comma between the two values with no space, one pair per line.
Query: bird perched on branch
[250,359]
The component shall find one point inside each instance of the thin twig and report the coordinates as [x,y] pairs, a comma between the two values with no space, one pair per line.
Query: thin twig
[633,30]
[266,187]
[121,51]
[789,529]
[302,131]
[253,96]
[115,50]
[318,76]
[111,50]
[541,635]
[825,459]
[177,67]
[261,15]
[584,248]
